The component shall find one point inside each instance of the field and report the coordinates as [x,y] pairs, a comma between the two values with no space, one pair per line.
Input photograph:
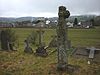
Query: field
[20,63]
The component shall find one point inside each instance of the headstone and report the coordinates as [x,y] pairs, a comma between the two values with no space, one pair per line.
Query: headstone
[62,38]
[27,49]
[5,38]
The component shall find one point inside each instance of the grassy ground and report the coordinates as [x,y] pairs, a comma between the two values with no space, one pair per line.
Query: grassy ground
[20,63]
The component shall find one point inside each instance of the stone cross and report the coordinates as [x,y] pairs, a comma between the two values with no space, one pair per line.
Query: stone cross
[92,52]
[41,51]
[62,38]
[40,34]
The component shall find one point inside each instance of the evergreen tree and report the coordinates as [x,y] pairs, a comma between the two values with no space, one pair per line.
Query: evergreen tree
[75,22]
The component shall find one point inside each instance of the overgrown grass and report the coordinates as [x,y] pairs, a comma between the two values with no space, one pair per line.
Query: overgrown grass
[20,63]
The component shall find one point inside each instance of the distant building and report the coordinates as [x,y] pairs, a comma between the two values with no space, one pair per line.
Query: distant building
[40,24]
[86,24]
[47,22]
[6,24]
[69,24]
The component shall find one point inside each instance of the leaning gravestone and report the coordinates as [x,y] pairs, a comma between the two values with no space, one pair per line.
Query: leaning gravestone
[27,49]
[62,38]
[53,42]
[33,38]
[4,40]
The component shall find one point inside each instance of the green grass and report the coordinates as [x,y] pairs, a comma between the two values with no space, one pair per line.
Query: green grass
[85,37]
[78,37]
[20,63]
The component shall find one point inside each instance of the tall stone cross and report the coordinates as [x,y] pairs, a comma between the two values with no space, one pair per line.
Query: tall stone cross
[40,34]
[62,38]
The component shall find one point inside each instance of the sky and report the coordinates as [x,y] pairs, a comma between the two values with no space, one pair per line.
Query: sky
[47,8]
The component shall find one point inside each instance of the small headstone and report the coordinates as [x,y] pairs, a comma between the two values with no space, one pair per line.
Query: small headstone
[27,49]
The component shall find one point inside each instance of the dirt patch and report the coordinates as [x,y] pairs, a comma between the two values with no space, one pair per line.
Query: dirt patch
[70,70]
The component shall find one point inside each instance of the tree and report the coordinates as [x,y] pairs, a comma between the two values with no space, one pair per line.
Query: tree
[92,21]
[75,22]
[97,21]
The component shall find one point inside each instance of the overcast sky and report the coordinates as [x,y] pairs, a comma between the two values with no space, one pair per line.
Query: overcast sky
[47,8]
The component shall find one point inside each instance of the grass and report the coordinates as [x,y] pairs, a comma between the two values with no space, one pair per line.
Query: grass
[20,63]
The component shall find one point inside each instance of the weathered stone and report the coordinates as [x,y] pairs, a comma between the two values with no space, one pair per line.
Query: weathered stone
[4,40]
[62,38]
[92,51]
[27,49]
[7,38]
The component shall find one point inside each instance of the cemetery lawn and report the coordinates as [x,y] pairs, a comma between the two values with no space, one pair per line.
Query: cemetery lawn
[20,63]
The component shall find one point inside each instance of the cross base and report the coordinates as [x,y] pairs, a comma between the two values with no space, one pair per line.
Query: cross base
[41,51]
[62,67]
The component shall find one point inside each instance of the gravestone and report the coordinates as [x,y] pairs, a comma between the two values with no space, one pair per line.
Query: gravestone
[6,40]
[92,52]
[62,38]
[27,49]
[41,50]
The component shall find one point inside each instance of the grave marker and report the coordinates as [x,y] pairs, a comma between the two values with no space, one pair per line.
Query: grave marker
[92,52]
[62,38]
[27,49]
[8,39]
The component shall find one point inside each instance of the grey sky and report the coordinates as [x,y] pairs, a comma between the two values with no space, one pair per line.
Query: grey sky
[47,8]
